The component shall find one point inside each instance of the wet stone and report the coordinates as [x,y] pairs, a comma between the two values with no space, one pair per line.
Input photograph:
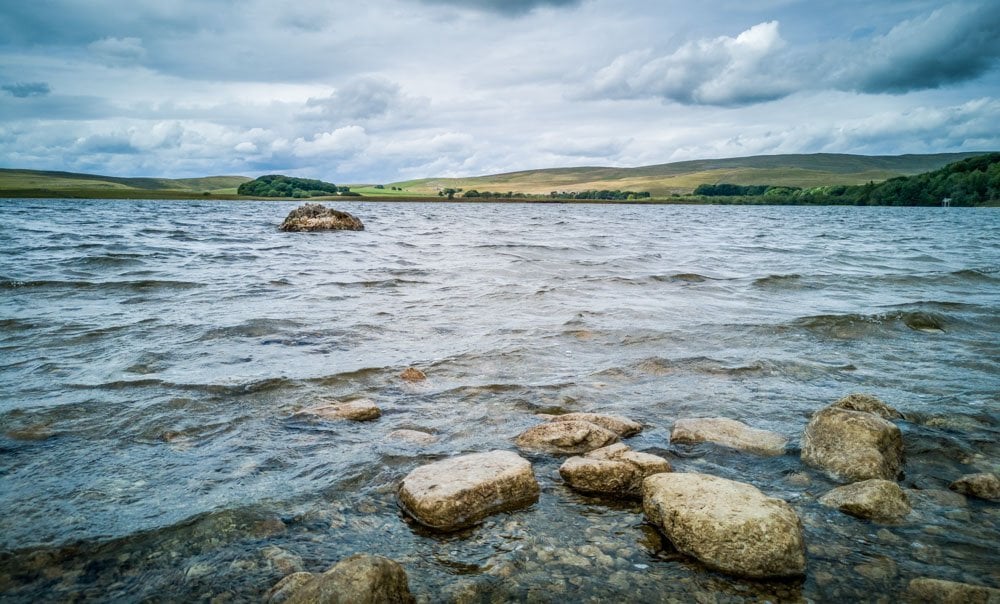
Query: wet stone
[985,485]
[566,437]
[414,437]
[412,374]
[875,499]
[728,433]
[612,470]
[853,445]
[317,217]
[925,589]
[622,426]
[359,579]
[867,403]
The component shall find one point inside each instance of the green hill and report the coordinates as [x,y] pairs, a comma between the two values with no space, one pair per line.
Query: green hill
[819,169]
[40,183]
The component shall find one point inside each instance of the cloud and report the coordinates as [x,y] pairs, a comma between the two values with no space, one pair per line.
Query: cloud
[342,142]
[361,98]
[118,50]
[509,8]
[955,43]
[724,71]
[23,90]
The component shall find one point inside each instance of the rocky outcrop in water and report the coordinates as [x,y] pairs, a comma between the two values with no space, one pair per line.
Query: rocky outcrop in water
[613,470]
[851,445]
[868,404]
[565,437]
[359,410]
[412,374]
[317,217]
[622,426]
[728,433]
[360,579]
[876,499]
[938,591]
[985,485]
[454,493]
[727,525]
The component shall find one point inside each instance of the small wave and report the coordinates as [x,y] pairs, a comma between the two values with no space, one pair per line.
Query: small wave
[140,285]
[972,274]
[254,328]
[777,281]
[682,278]
[853,326]
[251,387]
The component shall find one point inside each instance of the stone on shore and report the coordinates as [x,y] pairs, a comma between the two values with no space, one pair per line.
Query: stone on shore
[622,426]
[613,470]
[570,437]
[868,404]
[875,499]
[317,217]
[358,410]
[454,493]
[360,579]
[938,591]
[729,526]
[412,374]
[850,445]
[728,433]
[985,485]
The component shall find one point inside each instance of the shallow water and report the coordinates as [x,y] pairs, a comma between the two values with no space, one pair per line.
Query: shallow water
[152,355]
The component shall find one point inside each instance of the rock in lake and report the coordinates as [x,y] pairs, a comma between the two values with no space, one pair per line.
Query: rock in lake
[454,493]
[360,579]
[851,445]
[415,437]
[729,526]
[412,374]
[728,433]
[570,437]
[317,217]
[613,470]
[875,499]
[868,404]
[925,589]
[622,426]
[359,410]
[985,485]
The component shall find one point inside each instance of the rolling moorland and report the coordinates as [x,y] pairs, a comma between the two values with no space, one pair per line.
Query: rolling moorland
[664,181]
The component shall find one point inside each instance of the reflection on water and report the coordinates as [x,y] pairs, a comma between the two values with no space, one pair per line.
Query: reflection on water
[152,355]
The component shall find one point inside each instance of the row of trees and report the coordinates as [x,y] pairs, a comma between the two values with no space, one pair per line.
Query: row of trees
[605,194]
[277,185]
[969,182]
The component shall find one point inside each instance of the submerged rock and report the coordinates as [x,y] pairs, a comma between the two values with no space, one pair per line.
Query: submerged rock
[613,470]
[729,526]
[360,579]
[622,426]
[925,589]
[412,374]
[454,493]
[317,217]
[985,485]
[570,437]
[358,410]
[874,499]
[868,404]
[851,445]
[416,437]
[728,433]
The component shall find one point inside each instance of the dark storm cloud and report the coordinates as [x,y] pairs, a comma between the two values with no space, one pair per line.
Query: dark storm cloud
[23,90]
[505,7]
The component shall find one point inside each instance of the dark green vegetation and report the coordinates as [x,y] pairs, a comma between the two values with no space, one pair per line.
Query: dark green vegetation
[277,185]
[969,182]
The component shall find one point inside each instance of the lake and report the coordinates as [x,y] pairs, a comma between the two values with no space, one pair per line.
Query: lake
[153,355]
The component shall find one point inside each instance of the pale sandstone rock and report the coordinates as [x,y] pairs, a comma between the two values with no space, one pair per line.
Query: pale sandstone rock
[728,433]
[454,493]
[874,499]
[360,579]
[938,591]
[615,470]
[566,437]
[727,525]
[985,485]
[853,445]
[622,426]
[358,410]
[868,404]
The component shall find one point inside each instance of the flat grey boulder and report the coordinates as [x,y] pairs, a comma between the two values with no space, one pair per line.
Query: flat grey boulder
[728,433]
[360,579]
[622,426]
[317,217]
[850,445]
[568,437]
[985,485]
[454,493]
[938,591]
[875,499]
[612,470]
[729,526]
[358,410]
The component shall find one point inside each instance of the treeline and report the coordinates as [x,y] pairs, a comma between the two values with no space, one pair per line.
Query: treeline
[969,182]
[277,185]
[604,195]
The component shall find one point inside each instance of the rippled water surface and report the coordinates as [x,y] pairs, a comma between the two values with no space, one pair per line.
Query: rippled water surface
[153,354]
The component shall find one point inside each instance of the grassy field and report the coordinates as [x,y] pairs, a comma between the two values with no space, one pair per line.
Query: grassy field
[662,181]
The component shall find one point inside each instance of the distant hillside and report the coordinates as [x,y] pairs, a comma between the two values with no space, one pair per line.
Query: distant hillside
[820,169]
[39,182]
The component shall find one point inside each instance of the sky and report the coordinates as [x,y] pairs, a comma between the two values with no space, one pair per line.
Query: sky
[387,90]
